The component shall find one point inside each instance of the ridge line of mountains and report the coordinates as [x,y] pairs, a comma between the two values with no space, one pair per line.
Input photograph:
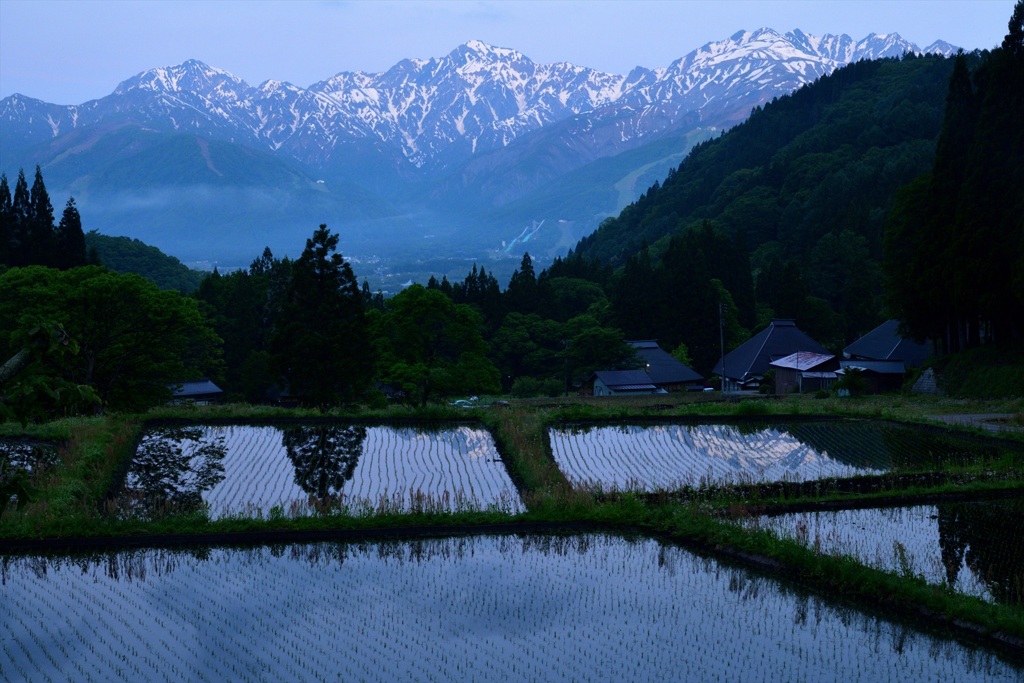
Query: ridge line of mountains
[478,153]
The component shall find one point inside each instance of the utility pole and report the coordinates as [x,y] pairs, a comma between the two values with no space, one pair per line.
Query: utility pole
[721,340]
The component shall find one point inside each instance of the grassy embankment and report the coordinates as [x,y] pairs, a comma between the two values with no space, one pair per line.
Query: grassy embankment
[69,501]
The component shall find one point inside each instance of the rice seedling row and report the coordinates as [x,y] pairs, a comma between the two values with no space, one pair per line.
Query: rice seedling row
[672,456]
[592,607]
[972,548]
[252,471]
[666,457]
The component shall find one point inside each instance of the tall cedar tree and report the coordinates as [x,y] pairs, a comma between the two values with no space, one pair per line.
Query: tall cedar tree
[27,233]
[522,294]
[19,220]
[39,223]
[69,241]
[321,346]
[955,240]
[6,220]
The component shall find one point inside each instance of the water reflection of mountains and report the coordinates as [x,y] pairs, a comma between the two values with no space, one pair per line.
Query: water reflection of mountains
[862,444]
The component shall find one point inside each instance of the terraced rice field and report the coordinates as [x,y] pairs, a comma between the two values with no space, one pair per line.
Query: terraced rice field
[666,457]
[23,460]
[263,470]
[973,548]
[649,458]
[582,608]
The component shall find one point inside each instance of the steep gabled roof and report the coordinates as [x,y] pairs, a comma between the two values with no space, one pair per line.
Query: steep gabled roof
[662,368]
[781,338]
[885,343]
[201,387]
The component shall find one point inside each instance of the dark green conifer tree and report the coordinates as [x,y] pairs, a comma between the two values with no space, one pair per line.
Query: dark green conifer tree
[521,295]
[69,239]
[321,344]
[6,221]
[41,240]
[19,222]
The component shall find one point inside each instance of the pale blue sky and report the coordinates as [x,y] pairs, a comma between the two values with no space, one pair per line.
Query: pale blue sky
[70,52]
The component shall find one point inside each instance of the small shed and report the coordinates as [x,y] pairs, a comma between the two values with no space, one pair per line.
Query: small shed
[882,375]
[623,383]
[804,371]
[663,369]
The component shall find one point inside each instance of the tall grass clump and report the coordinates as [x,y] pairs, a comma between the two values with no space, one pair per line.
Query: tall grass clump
[69,496]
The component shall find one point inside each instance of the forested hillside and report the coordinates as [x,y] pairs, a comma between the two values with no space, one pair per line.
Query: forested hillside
[127,255]
[803,187]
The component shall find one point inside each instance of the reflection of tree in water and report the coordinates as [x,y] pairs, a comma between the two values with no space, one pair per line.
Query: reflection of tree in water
[171,470]
[989,538]
[324,457]
[27,456]
[921,448]
[20,462]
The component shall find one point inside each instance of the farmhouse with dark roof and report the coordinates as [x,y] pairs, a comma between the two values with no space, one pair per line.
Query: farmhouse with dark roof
[664,370]
[746,365]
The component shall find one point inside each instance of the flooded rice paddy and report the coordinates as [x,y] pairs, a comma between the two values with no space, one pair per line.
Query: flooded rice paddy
[582,608]
[671,456]
[20,462]
[975,548]
[298,469]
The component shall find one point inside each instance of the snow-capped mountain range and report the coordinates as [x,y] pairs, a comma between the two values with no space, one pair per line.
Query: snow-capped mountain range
[475,123]
[475,99]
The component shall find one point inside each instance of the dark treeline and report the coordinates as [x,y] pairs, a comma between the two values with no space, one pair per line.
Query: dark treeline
[304,330]
[76,336]
[955,242]
[28,234]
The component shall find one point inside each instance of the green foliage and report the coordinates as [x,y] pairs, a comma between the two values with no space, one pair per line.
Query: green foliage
[528,346]
[133,340]
[853,381]
[986,372]
[479,290]
[529,387]
[126,255]
[427,345]
[682,354]
[591,346]
[676,300]
[244,307]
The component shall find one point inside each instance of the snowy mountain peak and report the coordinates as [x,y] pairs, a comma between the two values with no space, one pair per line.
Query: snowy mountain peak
[189,76]
[441,112]
[490,53]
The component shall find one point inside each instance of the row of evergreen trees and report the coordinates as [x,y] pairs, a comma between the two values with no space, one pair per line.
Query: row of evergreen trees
[28,234]
[955,242]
